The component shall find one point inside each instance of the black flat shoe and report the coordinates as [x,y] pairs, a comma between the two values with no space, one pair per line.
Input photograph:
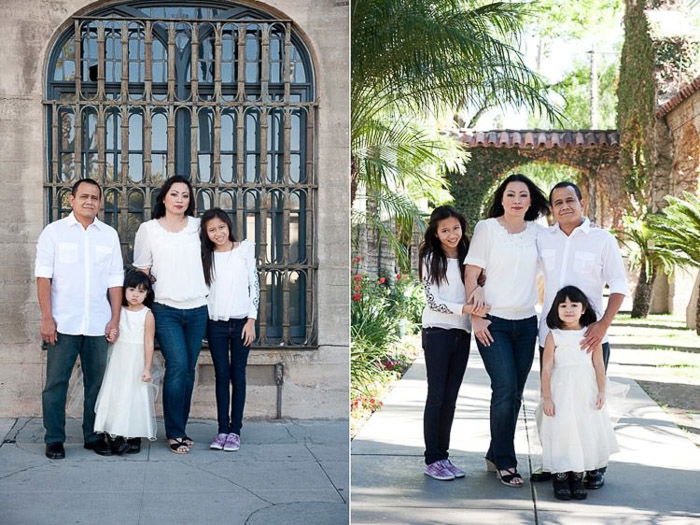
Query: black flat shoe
[55,451]
[118,446]
[134,445]
[540,475]
[560,484]
[99,447]
[576,486]
[594,479]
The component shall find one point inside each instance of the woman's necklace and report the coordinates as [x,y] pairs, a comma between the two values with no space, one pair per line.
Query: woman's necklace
[510,227]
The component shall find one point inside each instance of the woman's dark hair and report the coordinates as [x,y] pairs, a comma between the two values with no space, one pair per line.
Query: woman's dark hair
[574,295]
[159,207]
[138,279]
[431,247]
[539,205]
[206,245]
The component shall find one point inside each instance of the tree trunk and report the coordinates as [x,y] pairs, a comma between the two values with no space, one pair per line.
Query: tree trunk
[642,295]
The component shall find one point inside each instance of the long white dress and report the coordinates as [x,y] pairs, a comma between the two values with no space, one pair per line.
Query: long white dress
[125,404]
[578,437]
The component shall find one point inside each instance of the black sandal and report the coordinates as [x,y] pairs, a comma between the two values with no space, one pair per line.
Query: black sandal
[188,441]
[177,445]
[560,484]
[510,478]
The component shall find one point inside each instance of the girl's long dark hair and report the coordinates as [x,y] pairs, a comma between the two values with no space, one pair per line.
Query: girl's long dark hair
[206,245]
[575,295]
[431,247]
[539,205]
[159,207]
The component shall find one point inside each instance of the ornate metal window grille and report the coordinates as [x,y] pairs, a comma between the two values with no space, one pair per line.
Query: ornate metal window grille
[219,93]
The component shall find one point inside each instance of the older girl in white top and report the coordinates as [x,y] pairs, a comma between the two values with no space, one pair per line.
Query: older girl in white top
[168,247]
[504,247]
[231,273]
[446,327]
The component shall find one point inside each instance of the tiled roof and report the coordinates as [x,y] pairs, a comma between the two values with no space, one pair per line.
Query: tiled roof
[683,93]
[538,138]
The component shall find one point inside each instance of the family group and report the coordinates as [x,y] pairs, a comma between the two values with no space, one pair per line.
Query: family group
[190,278]
[487,285]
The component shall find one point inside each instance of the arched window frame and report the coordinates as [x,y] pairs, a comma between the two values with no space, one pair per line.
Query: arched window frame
[146,58]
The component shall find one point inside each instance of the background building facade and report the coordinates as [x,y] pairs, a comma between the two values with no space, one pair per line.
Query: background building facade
[248,100]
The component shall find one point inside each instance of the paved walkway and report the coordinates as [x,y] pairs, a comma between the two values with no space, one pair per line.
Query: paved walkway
[290,472]
[654,479]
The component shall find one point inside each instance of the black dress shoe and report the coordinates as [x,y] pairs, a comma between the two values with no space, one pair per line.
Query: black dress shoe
[595,479]
[99,447]
[55,451]
[134,445]
[118,446]
[560,484]
[540,475]
[576,486]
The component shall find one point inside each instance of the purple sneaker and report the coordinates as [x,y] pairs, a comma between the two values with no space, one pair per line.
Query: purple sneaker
[456,472]
[219,442]
[437,470]
[233,442]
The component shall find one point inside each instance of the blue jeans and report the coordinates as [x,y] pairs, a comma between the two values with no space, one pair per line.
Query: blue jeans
[179,333]
[508,361]
[59,365]
[229,369]
[446,355]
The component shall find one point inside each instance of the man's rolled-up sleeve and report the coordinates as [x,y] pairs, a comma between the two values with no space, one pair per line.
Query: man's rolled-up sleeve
[614,270]
[116,265]
[45,253]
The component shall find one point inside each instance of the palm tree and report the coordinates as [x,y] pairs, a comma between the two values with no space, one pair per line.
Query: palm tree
[677,236]
[414,59]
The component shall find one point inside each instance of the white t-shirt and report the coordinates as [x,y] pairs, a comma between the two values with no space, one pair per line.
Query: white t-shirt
[444,301]
[509,261]
[175,261]
[234,291]
[589,259]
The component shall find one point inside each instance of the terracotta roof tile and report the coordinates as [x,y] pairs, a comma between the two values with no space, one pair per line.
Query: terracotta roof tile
[675,101]
[538,138]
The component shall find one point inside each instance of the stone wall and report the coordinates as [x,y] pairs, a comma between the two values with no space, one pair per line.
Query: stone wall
[683,123]
[315,382]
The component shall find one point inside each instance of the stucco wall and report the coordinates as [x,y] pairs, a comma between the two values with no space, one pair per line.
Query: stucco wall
[316,382]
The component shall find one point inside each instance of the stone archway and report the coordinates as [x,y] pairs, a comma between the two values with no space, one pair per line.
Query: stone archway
[592,152]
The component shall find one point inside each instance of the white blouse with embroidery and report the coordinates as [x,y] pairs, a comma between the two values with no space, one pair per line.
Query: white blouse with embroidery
[444,301]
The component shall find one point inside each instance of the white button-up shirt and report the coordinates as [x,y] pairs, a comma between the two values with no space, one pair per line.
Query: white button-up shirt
[589,258]
[82,264]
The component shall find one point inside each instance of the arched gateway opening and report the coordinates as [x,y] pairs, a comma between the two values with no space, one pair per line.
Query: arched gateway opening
[593,153]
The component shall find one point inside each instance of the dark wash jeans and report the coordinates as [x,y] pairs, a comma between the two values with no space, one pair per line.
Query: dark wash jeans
[446,355]
[230,357]
[508,361]
[179,333]
[59,365]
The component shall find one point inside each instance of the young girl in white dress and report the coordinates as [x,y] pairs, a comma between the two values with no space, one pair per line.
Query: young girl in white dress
[125,405]
[574,427]
[230,272]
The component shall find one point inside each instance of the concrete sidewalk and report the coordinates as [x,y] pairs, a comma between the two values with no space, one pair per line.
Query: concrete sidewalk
[288,472]
[654,479]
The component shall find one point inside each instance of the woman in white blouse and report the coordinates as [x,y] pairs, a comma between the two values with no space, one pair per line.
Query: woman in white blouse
[232,277]
[168,248]
[504,247]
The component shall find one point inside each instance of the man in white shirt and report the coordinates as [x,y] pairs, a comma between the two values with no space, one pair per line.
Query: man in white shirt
[573,253]
[79,275]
